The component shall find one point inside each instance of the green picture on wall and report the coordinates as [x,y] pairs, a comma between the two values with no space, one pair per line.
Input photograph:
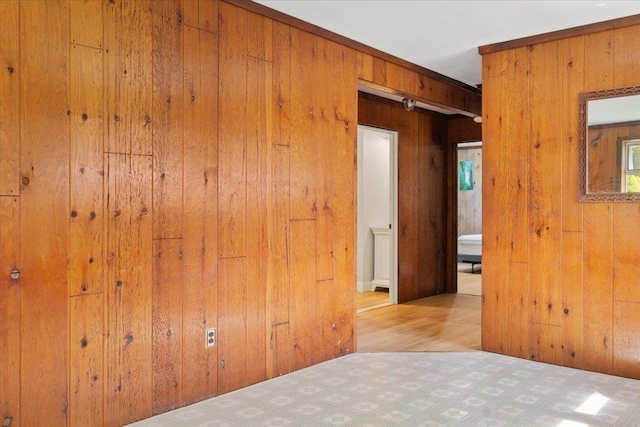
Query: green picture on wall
[466,175]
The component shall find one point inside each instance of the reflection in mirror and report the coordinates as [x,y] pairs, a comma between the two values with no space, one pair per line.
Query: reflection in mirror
[610,145]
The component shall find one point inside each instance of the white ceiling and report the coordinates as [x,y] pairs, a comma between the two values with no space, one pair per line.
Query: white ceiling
[444,36]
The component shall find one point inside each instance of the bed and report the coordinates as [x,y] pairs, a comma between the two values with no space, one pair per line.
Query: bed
[470,249]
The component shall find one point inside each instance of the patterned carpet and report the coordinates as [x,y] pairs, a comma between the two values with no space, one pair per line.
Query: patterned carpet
[421,389]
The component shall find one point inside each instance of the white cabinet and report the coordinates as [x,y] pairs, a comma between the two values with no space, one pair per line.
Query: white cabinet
[381,257]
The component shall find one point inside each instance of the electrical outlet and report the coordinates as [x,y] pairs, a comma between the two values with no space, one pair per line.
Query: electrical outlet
[210,337]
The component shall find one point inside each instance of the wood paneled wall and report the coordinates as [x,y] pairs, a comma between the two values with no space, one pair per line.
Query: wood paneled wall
[560,278]
[168,167]
[422,193]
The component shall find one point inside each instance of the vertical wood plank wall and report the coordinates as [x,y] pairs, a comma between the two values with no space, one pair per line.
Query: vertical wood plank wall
[560,283]
[168,167]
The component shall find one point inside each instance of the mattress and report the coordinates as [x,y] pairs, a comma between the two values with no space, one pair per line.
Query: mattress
[470,244]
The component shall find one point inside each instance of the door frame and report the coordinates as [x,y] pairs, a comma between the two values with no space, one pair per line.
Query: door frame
[393,201]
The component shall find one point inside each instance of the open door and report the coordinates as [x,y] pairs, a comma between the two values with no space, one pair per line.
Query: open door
[377,259]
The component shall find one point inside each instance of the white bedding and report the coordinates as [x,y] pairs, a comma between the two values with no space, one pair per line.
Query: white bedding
[470,244]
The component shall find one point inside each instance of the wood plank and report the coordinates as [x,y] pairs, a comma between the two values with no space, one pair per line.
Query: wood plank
[571,67]
[128,64]
[259,37]
[168,119]
[128,288]
[545,206]
[282,125]
[86,228]
[344,269]
[364,66]
[572,300]
[626,339]
[518,153]
[517,315]
[10,309]
[425,224]
[625,56]
[259,117]
[279,363]
[494,201]
[10,98]
[44,211]
[626,269]
[277,289]
[200,213]
[232,324]
[86,362]
[325,61]
[304,145]
[446,322]
[598,287]
[345,104]
[86,23]
[408,207]
[545,343]
[201,14]
[232,168]
[328,347]
[597,230]
[167,324]
[598,61]
[303,302]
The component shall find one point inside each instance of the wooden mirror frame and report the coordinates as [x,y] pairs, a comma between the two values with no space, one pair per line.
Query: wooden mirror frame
[605,196]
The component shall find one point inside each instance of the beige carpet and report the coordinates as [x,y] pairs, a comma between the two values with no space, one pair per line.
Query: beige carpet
[421,389]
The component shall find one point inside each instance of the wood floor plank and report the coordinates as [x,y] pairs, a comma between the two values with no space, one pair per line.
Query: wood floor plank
[446,322]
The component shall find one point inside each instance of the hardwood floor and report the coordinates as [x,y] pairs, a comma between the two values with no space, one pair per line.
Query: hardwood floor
[468,282]
[366,301]
[447,322]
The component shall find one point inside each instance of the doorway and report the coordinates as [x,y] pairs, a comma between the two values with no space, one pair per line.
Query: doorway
[377,246]
[469,236]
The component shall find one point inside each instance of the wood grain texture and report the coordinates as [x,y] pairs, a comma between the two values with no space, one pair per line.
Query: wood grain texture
[200,248]
[166,319]
[495,238]
[128,64]
[581,268]
[44,211]
[232,143]
[626,333]
[344,268]
[282,125]
[128,289]
[201,14]
[10,309]
[86,27]
[168,118]
[277,281]
[544,186]
[232,324]
[86,227]
[304,137]
[10,98]
[306,328]
[518,308]
[520,131]
[571,69]
[572,299]
[86,364]
[258,163]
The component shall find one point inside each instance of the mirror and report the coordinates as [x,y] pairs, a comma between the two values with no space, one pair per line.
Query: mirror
[610,145]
